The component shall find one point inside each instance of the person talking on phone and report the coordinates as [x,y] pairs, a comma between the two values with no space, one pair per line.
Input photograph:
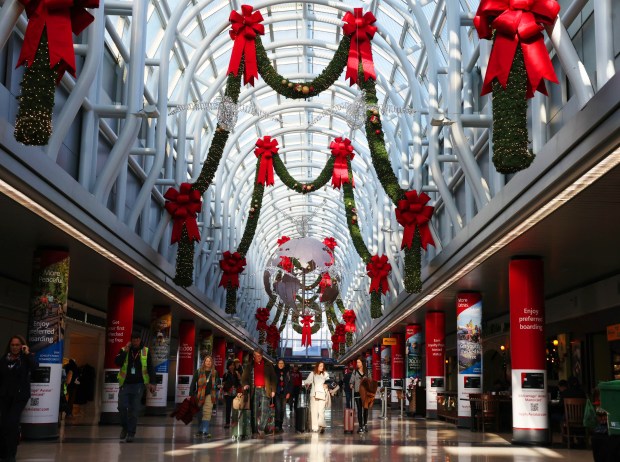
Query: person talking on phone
[15,368]
[136,372]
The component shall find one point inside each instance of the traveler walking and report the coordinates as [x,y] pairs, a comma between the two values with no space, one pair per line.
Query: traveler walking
[318,396]
[203,388]
[283,393]
[260,379]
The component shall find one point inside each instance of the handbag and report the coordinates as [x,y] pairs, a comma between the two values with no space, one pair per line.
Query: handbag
[318,394]
[241,401]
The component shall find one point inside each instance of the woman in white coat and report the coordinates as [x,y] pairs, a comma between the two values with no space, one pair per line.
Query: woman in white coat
[318,396]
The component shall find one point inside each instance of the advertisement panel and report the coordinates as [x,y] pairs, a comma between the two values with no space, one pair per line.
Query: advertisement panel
[435,358]
[376,363]
[161,323]
[46,330]
[527,338]
[205,345]
[398,364]
[185,359]
[118,334]
[469,351]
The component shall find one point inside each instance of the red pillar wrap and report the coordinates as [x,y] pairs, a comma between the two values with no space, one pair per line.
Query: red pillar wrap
[398,357]
[240,355]
[435,359]
[185,358]
[118,334]
[376,362]
[527,350]
[219,355]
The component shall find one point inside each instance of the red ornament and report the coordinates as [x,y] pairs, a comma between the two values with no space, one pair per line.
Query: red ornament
[349,317]
[326,281]
[262,316]
[183,205]
[412,212]
[306,330]
[330,243]
[378,270]
[232,264]
[359,27]
[266,148]
[517,23]
[342,150]
[60,19]
[282,240]
[286,263]
[377,132]
[244,29]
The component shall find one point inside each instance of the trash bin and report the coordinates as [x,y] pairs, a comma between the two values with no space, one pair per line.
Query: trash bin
[610,401]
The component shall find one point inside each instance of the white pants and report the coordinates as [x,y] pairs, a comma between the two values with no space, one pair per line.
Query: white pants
[317,413]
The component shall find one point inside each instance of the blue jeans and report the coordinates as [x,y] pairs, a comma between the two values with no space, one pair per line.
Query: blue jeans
[129,398]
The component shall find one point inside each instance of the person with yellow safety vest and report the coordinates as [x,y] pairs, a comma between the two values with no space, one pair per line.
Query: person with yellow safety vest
[136,372]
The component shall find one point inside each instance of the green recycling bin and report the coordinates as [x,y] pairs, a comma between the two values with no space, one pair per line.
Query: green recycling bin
[610,401]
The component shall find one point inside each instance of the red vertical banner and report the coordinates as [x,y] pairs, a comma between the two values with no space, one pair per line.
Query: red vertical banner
[219,355]
[527,352]
[376,363]
[469,351]
[185,359]
[435,359]
[240,355]
[398,364]
[118,334]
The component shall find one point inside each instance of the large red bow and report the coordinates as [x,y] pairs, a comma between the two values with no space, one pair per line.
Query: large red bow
[262,315]
[306,330]
[266,148]
[273,336]
[342,150]
[378,270]
[341,332]
[183,205]
[244,29]
[232,264]
[326,281]
[349,318]
[283,240]
[286,263]
[517,22]
[330,243]
[359,27]
[61,19]
[335,342]
[412,212]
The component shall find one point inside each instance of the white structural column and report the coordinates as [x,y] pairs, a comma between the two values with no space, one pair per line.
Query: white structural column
[604,39]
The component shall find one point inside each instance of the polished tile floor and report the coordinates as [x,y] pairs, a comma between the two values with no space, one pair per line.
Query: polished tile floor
[394,439]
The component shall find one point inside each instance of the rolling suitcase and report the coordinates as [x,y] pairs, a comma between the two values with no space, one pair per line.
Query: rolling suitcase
[349,421]
[301,413]
[242,427]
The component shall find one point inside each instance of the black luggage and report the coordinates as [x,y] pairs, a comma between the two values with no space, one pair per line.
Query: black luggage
[301,413]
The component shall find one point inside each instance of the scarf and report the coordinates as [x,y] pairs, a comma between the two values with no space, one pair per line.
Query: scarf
[203,380]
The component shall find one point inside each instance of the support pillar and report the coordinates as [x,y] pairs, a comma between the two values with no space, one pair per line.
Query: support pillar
[527,352]
[469,351]
[48,308]
[435,357]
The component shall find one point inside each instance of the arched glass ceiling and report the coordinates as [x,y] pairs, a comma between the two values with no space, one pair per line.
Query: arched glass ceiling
[300,40]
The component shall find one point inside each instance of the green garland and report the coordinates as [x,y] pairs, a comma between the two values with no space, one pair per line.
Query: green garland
[511,152]
[303,188]
[231,300]
[315,327]
[376,142]
[33,125]
[283,323]
[375,305]
[352,222]
[349,338]
[332,320]
[413,263]
[340,305]
[298,90]
[185,261]
[314,284]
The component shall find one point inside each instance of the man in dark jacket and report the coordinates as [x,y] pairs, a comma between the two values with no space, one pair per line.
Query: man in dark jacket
[136,372]
[260,378]
[15,368]
[284,388]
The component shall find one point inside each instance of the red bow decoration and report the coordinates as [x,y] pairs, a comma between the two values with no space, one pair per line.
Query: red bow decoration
[283,240]
[335,342]
[349,318]
[517,22]
[273,336]
[342,150]
[183,205]
[232,264]
[412,212]
[341,332]
[359,27]
[306,330]
[266,148]
[330,243]
[262,315]
[244,29]
[286,263]
[61,19]
[378,270]
[326,281]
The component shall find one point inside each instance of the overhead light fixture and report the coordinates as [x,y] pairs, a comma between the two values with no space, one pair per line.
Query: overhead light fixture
[441,121]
